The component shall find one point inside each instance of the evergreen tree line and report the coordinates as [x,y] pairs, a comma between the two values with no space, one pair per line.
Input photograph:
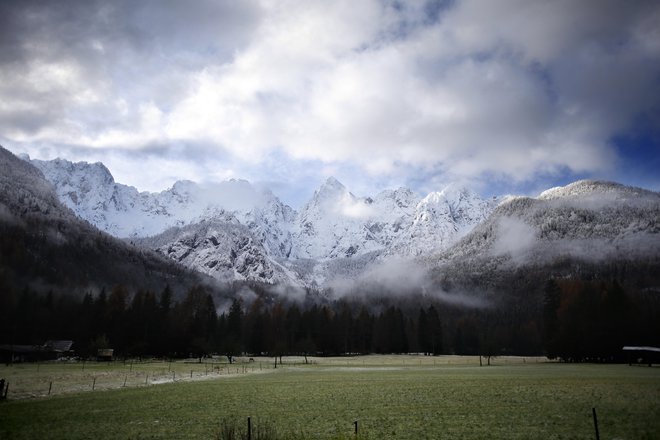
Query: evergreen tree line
[577,321]
[593,320]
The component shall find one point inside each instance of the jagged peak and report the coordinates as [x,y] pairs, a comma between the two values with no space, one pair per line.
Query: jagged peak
[457,191]
[69,167]
[182,186]
[332,184]
[396,193]
[403,197]
[331,189]
[452,193]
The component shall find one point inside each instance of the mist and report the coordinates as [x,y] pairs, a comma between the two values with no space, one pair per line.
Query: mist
[397,278]
[515,238]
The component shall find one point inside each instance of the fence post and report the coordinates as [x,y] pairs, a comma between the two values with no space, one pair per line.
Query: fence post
[593,411]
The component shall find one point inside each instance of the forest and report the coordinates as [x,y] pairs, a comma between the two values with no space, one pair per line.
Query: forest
[575,321]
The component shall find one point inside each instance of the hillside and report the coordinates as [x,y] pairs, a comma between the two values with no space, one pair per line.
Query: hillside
[331,235]
[588,229]
[44,245]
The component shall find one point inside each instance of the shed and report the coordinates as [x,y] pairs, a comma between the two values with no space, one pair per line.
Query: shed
[104,354]
[644,354]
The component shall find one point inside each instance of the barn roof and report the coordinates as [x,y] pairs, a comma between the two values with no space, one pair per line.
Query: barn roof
[58,345]
[49,346]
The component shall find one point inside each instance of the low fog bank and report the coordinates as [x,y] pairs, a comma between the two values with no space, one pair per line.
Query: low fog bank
[397,279]
[514,238]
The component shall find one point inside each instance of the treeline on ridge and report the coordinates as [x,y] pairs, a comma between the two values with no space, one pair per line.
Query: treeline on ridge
[578,321]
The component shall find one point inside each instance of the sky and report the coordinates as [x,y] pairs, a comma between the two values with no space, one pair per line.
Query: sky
[504,96]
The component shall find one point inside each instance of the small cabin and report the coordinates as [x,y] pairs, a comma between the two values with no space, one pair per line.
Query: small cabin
[104,354]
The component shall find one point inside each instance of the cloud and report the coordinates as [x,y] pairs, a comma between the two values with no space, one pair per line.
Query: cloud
[93,72]
[467,90]
[463,96]
[356,208]
[514,238]
[7,217]
[402,278]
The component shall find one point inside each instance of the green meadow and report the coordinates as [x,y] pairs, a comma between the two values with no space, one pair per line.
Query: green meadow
[391,397]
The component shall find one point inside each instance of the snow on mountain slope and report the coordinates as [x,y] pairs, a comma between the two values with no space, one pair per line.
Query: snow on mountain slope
[441,218]
[234,231]
[334,225]
[23,190]
[46,246]
[91,192]
[587,221]
[221,247]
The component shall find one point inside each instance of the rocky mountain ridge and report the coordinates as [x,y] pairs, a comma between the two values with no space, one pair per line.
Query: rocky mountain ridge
[234,231]
[44,245]
[333,226]
[585,228]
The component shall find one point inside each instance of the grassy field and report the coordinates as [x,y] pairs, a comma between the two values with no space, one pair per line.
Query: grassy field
[392,397]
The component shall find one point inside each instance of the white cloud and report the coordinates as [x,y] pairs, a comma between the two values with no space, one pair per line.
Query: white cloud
[351,207]
[514,238]
[420,100]
[506,88]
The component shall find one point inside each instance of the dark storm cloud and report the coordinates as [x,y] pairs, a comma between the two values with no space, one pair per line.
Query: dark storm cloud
[51,53]
[65,28]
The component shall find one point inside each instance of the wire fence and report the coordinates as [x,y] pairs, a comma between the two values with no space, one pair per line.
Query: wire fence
[32,380]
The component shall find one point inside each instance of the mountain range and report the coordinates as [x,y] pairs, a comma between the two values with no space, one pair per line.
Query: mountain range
[585,230]
[44,245]
[233,231]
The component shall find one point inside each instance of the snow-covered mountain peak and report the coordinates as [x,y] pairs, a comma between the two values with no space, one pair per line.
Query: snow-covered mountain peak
[183,187]
[90,191]
[332,183]
[457,202]
[458,192]
[333,225]
[330,191]
[333,201]
[588,221]
[452,195]
[597,188]
[441,218]
[402,198]
[88,173]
